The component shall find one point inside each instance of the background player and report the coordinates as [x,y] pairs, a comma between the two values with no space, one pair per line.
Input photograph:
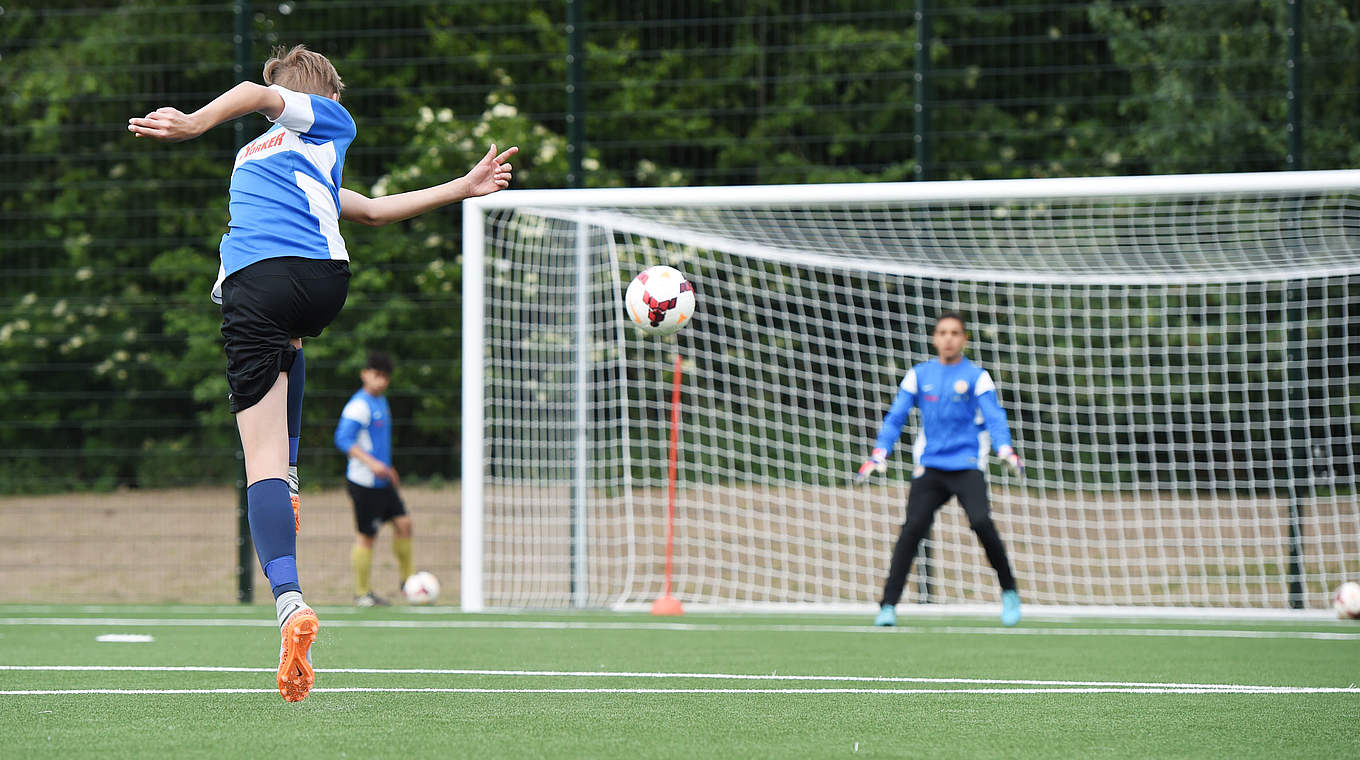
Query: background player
[959,411]
[365,434]
[285,274]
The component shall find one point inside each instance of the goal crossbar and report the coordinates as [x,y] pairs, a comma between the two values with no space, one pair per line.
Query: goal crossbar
[1330,180]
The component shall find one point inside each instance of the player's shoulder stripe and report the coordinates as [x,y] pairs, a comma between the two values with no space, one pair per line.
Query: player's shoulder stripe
[910,383]
[297,113]
[357,409]
[983,383]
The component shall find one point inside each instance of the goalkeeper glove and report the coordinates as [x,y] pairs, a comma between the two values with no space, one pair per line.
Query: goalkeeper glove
[1011,460]
[877,462]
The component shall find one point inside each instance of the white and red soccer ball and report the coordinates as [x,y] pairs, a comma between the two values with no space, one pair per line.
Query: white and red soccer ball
[421,588]
[659,300]
[1347,601]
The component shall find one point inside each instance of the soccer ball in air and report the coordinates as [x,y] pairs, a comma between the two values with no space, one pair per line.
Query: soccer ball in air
[421,588]
[1347,601]
[659,300]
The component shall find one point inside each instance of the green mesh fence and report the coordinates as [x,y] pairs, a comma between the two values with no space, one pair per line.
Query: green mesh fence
[110,359]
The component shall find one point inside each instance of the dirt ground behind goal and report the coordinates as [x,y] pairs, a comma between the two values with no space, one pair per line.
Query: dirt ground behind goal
[180,545]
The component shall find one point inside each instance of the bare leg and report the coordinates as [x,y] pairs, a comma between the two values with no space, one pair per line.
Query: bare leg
[264,434]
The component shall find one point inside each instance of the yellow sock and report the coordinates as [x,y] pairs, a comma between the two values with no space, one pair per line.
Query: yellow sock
[361,557]
[402,548]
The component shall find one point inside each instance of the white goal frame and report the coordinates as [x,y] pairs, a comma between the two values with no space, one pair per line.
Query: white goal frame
[593,208]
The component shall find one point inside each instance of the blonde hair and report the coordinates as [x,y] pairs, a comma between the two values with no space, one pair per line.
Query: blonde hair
[302,70]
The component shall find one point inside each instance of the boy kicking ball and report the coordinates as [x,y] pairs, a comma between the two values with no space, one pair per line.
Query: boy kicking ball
[285,275]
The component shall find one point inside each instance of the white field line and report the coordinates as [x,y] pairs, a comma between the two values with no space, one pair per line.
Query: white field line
[1034,613]
[186,609]
[675,676]
[450,690]
[549,625]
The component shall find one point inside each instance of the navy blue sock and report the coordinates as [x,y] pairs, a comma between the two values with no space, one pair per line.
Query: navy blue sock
[297,381]
[271,527]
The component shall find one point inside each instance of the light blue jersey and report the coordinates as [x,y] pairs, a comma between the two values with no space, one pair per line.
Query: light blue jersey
[367,421]
[285,187]
[960,416]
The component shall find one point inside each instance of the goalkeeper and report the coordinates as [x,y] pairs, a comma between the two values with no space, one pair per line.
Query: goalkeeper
[959,411]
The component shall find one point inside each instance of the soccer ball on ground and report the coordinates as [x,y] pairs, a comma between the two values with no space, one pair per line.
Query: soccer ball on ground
[421,588]
[659,300]
[1347,601]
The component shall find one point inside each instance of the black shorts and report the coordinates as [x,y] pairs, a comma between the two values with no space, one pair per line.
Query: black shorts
[266,305]
[374,506]
[932,488]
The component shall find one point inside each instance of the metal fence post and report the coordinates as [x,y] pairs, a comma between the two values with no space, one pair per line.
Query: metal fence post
[1294,62]
[1296,406]
[245,548]
[241,41]
[922,107]
[576,118]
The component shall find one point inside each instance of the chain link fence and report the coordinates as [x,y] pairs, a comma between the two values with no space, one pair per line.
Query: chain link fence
[111,369]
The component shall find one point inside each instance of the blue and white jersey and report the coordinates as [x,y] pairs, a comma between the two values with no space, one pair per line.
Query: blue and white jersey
[960,416]
[367,421]
[285,187]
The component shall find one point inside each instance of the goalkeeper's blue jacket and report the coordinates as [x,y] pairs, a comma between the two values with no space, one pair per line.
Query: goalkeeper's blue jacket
[960,416]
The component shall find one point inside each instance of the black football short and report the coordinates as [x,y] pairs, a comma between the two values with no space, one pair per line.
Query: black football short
[374,506]
[266,305]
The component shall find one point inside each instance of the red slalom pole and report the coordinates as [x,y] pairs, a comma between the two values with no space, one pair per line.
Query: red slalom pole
[667,604]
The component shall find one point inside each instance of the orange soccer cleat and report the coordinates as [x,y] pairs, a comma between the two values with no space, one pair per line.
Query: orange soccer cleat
[298,632]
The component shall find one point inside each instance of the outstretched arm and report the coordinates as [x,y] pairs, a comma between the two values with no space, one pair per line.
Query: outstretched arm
[490,174]
[172,125]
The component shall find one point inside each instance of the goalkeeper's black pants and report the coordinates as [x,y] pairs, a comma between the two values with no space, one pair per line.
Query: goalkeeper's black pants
[929,491]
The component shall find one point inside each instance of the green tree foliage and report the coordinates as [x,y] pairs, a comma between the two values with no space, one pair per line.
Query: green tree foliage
[1207,75]
[96,242]
[110,358]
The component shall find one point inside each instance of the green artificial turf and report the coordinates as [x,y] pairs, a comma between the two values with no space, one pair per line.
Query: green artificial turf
[651,713]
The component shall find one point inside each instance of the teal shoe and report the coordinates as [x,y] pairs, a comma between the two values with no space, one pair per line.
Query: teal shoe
[1010,607]
[887,615]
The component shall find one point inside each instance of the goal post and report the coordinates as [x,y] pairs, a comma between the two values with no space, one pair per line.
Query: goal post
[1179,357]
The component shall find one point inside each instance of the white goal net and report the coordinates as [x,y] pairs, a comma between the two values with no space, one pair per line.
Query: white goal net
[1179,358]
